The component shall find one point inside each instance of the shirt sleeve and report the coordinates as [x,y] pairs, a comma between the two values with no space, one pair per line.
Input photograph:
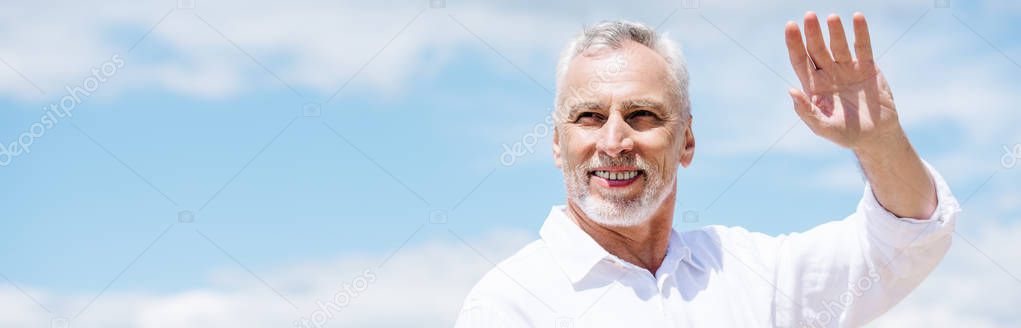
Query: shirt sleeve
[848,272]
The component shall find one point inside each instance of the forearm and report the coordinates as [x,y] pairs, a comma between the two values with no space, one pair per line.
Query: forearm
[898,177]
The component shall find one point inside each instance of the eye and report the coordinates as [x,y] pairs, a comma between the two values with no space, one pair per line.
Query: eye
[589,118]
[644,119]
[643,114]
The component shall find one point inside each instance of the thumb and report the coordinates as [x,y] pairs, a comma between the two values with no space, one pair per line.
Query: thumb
[803,106]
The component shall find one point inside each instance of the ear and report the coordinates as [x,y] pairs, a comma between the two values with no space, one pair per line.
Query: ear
[556,148]
[688,147]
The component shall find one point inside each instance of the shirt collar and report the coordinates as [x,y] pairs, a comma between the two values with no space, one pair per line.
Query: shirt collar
[679,250]
[577,253]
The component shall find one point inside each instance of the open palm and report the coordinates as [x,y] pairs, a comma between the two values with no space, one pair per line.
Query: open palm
[845,99]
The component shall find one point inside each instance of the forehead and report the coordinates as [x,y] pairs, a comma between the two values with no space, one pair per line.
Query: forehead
[633,70]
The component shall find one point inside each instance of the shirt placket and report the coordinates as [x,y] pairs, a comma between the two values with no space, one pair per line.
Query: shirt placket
[663,283]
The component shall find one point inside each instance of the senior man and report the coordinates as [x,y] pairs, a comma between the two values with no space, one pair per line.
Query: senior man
[610,258]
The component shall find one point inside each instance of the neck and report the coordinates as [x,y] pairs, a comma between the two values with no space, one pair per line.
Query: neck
[644,245]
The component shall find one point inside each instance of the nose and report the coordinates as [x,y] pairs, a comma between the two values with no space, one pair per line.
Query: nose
[616,136]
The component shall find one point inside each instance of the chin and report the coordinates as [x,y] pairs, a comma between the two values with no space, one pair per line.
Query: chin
[616,213]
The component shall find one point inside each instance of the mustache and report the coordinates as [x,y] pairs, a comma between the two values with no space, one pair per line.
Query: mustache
[602,160]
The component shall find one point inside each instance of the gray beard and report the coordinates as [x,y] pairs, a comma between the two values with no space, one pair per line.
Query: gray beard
[616,210]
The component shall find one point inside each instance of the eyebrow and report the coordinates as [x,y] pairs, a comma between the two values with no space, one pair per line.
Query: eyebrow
[632,104]
[627,105]
[585,105]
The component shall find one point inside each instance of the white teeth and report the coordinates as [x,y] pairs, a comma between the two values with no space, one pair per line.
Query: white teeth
[618,175]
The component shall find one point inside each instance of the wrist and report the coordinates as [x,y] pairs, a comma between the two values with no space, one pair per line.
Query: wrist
[883,148]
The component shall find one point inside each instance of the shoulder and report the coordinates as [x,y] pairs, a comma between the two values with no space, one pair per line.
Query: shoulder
[528,266]
[727,236]
[710,245]
[510,288]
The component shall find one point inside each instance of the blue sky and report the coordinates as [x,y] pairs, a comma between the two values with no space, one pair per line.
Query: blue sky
[202,110]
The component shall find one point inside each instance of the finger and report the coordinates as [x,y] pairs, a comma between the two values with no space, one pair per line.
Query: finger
[838,41]
[816,44]
[796,50]
[862,44]
[803,107]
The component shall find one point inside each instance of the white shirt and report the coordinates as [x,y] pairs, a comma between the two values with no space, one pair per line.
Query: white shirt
[840,274]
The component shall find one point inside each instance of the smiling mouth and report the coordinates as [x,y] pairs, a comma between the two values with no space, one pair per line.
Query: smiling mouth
[617,178]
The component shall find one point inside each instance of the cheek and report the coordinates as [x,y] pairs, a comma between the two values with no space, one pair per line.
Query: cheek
[576,147]
[660,147]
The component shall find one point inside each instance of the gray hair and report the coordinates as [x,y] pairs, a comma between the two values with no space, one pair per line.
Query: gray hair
[613,34]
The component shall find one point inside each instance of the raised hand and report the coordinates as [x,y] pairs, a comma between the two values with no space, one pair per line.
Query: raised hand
[845,99]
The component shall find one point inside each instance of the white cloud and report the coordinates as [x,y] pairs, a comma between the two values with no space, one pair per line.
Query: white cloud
[975,286]
[424,285]
[309,44]
[316,46]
